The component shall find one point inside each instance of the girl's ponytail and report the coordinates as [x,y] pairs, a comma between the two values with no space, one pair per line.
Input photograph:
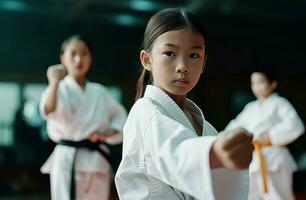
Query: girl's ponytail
[144,80]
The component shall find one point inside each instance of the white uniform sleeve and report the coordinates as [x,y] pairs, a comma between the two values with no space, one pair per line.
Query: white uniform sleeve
[228,184]
[118,117]
[240,120]
[59,118]
[181,158]
[42,104]
[290,126]
[59,104]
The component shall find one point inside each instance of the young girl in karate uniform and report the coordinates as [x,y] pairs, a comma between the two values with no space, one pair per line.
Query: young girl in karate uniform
[274,123]
[79,110]
[169,150]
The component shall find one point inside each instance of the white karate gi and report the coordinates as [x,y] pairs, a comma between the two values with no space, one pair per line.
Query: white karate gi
[78,114]
[165,159]
[278,117]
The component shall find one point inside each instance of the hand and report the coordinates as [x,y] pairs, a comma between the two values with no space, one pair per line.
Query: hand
[55,73]
[111,133]
[96,137]
[93,138]
[234,149]
[264,139]
[99,137]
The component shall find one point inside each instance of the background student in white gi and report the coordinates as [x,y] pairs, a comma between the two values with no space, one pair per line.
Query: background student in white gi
[169,149]
[77,110]
[274,123]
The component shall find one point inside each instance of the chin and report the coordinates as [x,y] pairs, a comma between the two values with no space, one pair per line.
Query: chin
[179,92]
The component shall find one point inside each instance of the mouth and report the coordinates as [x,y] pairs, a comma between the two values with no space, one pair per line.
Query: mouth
[181,81]
[78,66]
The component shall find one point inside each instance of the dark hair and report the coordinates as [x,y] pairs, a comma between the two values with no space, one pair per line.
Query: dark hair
[163,21]
[75,38]
[269,71]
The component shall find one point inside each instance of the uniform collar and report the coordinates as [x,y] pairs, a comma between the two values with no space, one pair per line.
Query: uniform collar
[172,108]
[71,82]
[269,98]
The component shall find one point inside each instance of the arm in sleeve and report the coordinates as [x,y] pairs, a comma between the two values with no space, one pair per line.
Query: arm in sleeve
[118,117]
[44,99]
[290,126]
[58,120]
[240,120]
[42,104]
[181,158]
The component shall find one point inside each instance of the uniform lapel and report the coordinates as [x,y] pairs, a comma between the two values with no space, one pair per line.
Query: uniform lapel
[171,108]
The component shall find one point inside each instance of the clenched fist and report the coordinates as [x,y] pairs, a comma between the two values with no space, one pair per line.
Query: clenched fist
[55,73]
[234,149]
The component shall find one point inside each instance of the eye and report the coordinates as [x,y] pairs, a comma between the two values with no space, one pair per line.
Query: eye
[194,55]
[85,53]
[169,53]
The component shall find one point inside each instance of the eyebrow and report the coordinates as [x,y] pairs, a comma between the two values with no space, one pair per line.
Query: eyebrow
[192,47]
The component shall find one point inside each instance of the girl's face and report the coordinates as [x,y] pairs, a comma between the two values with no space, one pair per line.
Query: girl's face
[261,86]
[176,61]
[76,58]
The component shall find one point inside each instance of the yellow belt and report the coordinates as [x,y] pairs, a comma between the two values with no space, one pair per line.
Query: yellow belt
[263,167]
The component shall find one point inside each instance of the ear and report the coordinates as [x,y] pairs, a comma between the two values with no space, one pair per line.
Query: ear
[145,59]
[62,58]
[274,85]
[204,63]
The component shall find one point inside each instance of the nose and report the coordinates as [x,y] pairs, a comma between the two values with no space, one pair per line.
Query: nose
[182,66]
[77,58]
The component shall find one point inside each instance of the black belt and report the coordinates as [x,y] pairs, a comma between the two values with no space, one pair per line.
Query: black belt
[113,157]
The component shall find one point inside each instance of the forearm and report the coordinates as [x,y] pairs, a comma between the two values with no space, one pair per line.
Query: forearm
[51,99]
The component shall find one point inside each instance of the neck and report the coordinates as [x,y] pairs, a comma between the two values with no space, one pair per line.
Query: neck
[179,100]
[263,98]
[81,81]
